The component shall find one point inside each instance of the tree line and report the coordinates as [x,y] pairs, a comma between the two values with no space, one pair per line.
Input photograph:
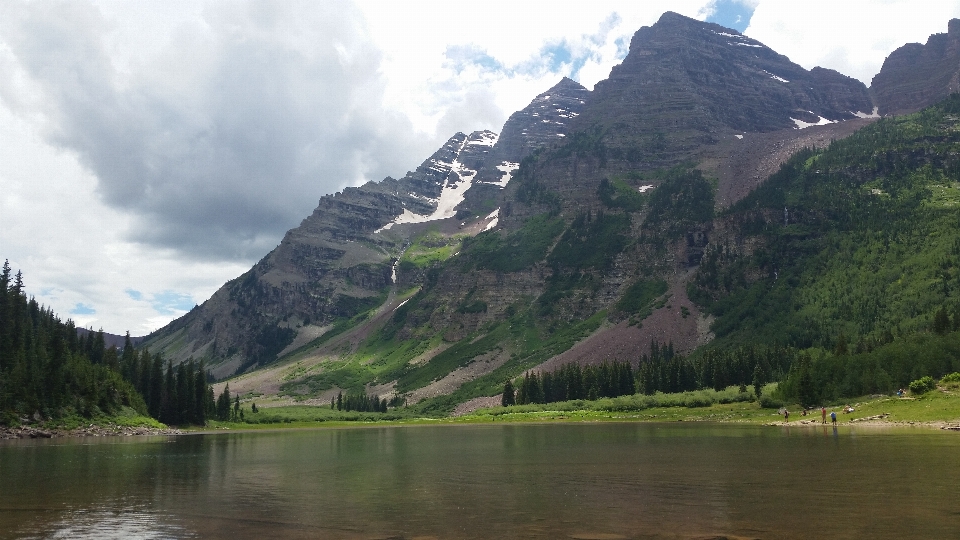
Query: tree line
[662,370]
[50,370]
[47,370]
[358,401]
[174,394]
[572,381]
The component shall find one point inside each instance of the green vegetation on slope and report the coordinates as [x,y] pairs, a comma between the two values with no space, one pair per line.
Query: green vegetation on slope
[428,249]
[860,239]
[516,251]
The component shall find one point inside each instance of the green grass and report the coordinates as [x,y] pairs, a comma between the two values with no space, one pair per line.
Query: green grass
[126,417]
[429,249]
[306,416]
[729,406]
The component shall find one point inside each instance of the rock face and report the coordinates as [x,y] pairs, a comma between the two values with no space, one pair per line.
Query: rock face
[543,122]
[692,81]
[916,76]
[341,259]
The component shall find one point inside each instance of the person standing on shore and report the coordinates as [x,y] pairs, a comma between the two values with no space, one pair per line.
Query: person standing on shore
[833,417]
[823,414]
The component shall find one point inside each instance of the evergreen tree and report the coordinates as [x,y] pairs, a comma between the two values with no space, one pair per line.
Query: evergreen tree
[508,394]
[223,404]
[155,380]
[200,391]
[941,321]
[758,381]
[44,368]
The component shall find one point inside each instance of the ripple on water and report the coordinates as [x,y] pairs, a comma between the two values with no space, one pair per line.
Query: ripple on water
[108,524]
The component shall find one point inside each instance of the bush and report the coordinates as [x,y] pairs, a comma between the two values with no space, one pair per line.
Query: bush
[768,402]
[951,379]
[922,385]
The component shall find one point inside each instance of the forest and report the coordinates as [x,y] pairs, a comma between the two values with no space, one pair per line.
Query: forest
[49,371]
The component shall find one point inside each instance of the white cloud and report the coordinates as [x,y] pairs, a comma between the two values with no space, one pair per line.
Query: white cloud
[851,37]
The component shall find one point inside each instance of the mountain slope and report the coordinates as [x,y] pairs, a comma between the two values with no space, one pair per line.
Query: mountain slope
[574,236]
[859,240]
[917,76]
[344,258]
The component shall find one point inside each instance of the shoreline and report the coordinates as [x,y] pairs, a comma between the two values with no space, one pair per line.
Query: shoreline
[92,430]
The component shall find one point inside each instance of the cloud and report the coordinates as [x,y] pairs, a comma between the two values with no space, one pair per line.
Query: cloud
[851,37]
[223,137]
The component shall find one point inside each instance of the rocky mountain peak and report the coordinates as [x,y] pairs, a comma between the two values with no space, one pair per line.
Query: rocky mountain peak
[543,121]
[916,76]
[697,80]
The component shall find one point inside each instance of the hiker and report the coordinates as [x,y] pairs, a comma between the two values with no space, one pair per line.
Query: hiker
[833,417]
[823,414]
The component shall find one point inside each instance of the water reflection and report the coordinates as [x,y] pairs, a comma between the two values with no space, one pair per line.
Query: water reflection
[107,524]
[509,481]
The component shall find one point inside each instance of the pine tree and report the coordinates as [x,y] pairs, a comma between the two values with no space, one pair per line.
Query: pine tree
[758,381]
[508,398]
[223,404]
[200,392]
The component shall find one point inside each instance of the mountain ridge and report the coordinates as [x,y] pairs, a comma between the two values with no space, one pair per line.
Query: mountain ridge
[544,235]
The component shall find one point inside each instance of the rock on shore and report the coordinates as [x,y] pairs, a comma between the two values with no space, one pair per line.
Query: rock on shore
[29,432]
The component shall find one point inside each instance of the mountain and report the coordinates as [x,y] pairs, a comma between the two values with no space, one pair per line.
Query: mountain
[686,83]
[917,76]
[594,224]
[343,258]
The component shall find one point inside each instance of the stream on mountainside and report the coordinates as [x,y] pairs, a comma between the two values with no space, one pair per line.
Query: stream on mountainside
[610,480]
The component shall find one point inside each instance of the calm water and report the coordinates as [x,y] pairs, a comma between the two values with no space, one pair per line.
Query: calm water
[511,481]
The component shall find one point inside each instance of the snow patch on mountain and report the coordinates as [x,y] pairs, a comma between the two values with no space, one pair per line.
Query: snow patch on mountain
[486,138]
[803,125]
[507,169]
[874,114]
[494,218]
[458,180]
[775,77]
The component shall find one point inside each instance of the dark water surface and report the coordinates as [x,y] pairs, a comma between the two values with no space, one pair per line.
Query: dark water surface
[600,481]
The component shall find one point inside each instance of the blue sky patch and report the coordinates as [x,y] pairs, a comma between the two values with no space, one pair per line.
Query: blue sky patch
[134,295]
[171,302]
[731,13]
[82,309]
[465,55]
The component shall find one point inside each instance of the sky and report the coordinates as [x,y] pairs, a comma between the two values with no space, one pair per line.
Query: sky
[152,150]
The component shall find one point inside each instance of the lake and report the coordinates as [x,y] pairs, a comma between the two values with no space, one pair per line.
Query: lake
[600,481]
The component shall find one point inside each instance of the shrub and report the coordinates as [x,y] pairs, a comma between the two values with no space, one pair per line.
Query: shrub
[951,378]
[768,402]
[922,385]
